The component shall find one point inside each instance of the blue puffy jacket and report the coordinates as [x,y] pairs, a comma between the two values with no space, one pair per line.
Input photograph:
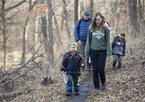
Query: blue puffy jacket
[81,29]
[118,47]
[71,63]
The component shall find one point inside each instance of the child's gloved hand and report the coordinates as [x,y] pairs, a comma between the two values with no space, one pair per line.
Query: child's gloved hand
[82,64]
[62,70]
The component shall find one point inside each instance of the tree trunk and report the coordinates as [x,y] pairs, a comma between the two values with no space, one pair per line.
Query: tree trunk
[140,10]
[36,35]
[44,32]
[66,23]
[143,17]
[63,17]
[57,30]
[91,6]
[51,58]
[76,11]
[23,59]
[115,7]
[4,36]
[118,18]
[81,9]
[133,16]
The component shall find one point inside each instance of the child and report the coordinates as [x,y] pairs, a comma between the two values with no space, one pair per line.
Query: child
[118,49]
[71,63]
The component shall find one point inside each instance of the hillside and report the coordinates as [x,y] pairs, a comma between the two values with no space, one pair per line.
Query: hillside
[126,84]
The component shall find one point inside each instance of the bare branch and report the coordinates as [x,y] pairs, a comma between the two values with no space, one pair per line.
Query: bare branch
[19,92]
[15,5]
[124,82]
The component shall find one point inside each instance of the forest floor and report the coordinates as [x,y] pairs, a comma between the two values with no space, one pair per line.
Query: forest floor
[125,84]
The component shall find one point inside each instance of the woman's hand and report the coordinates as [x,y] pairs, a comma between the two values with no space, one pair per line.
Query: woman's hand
[108,57]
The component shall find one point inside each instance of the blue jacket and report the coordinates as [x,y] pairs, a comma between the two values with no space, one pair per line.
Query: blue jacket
[71,63]
[118,47]
[81,30]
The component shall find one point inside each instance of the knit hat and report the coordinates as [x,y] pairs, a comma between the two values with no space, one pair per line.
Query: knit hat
[86,12]
[122,35]
[73,43]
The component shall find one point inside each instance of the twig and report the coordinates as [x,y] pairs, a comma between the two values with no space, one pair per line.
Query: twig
[17,69]
[124,82]
[26,90]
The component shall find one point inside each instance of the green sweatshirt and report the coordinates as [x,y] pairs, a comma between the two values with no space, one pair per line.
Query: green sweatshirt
[98,41]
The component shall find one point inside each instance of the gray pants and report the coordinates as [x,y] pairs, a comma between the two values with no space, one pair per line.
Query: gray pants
[81,49]
[117,58]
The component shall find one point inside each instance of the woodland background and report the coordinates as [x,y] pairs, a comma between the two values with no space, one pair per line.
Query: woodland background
[35,34]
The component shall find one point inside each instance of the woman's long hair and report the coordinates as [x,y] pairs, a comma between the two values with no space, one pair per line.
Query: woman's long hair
[93,24]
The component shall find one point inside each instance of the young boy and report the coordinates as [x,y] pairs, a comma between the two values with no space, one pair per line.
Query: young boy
[71,63]
[118,49]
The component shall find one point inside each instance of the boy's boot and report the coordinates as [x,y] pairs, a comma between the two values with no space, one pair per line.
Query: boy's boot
[82,68]
[119,65]
[69,91]
[76,90]
[114,64]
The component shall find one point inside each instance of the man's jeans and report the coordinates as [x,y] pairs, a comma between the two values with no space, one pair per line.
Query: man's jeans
[81,49]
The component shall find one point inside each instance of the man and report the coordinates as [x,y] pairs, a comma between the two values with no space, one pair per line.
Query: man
[81,33]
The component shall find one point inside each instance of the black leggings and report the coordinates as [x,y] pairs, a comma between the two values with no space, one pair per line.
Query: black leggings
[98,59]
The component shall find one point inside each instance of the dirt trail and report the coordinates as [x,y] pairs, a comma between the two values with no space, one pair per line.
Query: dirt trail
[85,88]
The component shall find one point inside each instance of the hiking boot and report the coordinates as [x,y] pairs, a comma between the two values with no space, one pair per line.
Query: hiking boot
[76,93]
[119,65]
[114,64]
[96,90]
[89,68]
[68,93]
[82,69]
[103,86]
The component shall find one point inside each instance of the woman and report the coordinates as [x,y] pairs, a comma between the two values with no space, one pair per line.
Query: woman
[98,47]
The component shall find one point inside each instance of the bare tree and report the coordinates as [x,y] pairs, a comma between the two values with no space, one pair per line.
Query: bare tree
[66,23]
[44,31]
[91,6]
[76,11]
[57,29]
[24,35]
[63,16]
[25,28]
[140,12]
[4,36]
[133,16]
[51,58]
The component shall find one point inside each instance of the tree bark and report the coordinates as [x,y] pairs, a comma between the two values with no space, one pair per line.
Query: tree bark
[115,7]
[140,10]
[91,6]
[51,58]
[4,36]
[63,17]
[25,36]
[76,11]
[133,17]
[66,23]
[57,29]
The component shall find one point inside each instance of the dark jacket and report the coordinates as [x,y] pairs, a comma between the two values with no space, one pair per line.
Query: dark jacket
[81,29]
[71,63]
[118,47]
